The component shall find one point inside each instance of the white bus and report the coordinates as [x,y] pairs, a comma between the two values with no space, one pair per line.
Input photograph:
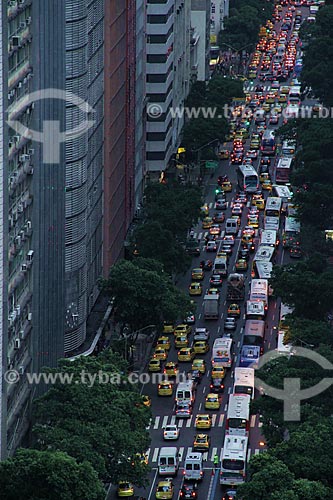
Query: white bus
[255,309]
[238,415]
[283,169]
[288,148]
[273,206]
[247,178]
[259,290]
[285,194]
[264,271]
[244,381]
[222,352]
[268,237]
[282,347]
[234,458]
[262,262]
[272,223]
[291,232]
[294,96]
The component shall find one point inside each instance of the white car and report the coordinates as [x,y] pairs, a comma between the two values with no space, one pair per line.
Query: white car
[201,334]
[252,153]
[228,240]
[170,432]
[275,84]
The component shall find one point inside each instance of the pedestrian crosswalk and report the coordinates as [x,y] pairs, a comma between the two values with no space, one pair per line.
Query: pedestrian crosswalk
[152,454]
[159,422]
[250,88]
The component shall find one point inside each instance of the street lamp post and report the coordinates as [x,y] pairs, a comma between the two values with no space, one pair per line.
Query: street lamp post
[126,336]
[199,150]
[238,51]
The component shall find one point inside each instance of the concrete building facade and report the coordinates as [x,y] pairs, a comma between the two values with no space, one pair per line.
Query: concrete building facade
[200,39]
[219,10]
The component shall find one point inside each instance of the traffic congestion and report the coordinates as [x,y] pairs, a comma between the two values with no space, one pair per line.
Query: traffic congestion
[202,430]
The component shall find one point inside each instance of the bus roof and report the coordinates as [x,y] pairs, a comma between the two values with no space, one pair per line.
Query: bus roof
[283,192]
[284,162]
[255,307]
[239,406]
[247,170]
[254,327]
[264,253]
[223,342]
[271,222]
[244,376]
[281,347]
[268,237]
[235,447]
[264,269]
[292,225]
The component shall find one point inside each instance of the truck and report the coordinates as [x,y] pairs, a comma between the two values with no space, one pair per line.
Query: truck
[211,306]
[192,247]
[235,287]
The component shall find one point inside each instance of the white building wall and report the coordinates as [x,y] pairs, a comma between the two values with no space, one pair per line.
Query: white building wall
[219,10]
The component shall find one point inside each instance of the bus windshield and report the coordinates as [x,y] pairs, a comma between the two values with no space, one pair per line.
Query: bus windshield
[268,145]
[248,180]
[273,206]
[231,464]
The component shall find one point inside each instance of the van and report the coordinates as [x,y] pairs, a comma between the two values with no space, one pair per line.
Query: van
[193,466]
[221,266]
[231,226]
[185,392]
[168,461]
[259,116]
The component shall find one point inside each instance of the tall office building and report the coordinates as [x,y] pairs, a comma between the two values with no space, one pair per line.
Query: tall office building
[200,39]
[219,10]
[168,77]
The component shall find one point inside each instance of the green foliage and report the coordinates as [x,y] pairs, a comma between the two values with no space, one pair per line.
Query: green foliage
[51,475]
[98,418]
[144,297]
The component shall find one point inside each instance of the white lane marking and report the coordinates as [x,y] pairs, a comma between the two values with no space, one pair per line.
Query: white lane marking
[221,316]
[218,329]
[221,454]
[232,374]
[200,406]
[148,453]
[229,390]
[260,424]
[156,423]
[235,359]
[226,407]
[204,390]
[200,236]
[210,205]
[189,421]
[181,453]
[253,420]
[257,451]
[152,489]
[238,343]
[269,345]
[199,316]
[205,456]
[173,420]
[214,451]
[221,420]
[180,423]
[213,419]
[155,455]
[165,420]
[248,454]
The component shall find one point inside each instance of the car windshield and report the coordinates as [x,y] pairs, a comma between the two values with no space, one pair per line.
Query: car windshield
[163,488]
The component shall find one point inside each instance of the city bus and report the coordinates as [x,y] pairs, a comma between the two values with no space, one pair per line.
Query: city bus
[284,193]
[291,232]
[254,333]
[288,147]
[247,178]
[244,381]
[272,223]
[262,264]
[214,57]
[233,461]
[268,143]
[249,356]
[255,309]
[259,288]
[222,352]
[283,168]
[284,310]
[273,206]
[282,341]
[238,415]
[268,237]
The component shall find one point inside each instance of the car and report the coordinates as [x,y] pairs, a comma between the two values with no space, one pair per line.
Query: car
[199,364]
[195,375]
[264,176]
[212,401]
[160,353]
[284,89]
[183,328]
[165,388]
[211,246]
[252,153]
[259,203]
[207,223]
[164,342]
[164,490]
[282,98]
[295,252]
[125,489]
[216,385]
[234,310]
[244,253]
[216,280]
[219,217]
[171,432]
[226,249]
[181,341]
[265,160]
[154,365]
[195,288]
[190,320]
[201,347]
[249,229]
[253,221]
[275,84]
[183,409]
[219,195]
[237,210]
[229,494]
[224,154]
[203,421]
[189,491]
[273,119]
[241,265]
[207,265]
[215,229]
[197,274]
[171,369]
[226,186]
[267,185]
[218,371]
[186,354]
[266,107]
[213,291]
[201,442]
[261,129]
[230,323]
[242,196]
[168,327]
[221,205]
[228,240]
[201,334]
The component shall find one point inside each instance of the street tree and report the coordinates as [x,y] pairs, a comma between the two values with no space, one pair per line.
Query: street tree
[303,331]
[51,475]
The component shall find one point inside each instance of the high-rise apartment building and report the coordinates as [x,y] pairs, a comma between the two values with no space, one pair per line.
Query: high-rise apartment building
[200,39]
[219,10]
[168,77]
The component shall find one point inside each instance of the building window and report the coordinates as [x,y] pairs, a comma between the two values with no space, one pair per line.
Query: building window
[162,19]
[156,136]
[157,58]
[156,155]
[160,38]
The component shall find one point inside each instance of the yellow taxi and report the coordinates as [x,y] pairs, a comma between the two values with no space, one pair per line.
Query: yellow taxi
[284,90]
[255,143]
[247,239]
[125,489]
[245,133]
[264,176]
[266,107]
[267,185]
[171,369]
[234,310]
[241,265]
[259,203]
[212,402]
[164,490]
[205,209]
[270,98]
[197,274]
[201,442]
[282,98]
[168,327]
[199,364]
[154,365]
[201,347]
[252,74]
[195,288]
[203,421]
[213,291]
[186,354]
[253,221]
[160,353]
[181,341]
[218,371]
[226,186]
[164,342]
[237,218]
[183,328]
[277,109]
[224,154]
[165,388]
[222,254]
[207,223]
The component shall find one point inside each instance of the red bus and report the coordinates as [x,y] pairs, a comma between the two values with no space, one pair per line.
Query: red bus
[283,169]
